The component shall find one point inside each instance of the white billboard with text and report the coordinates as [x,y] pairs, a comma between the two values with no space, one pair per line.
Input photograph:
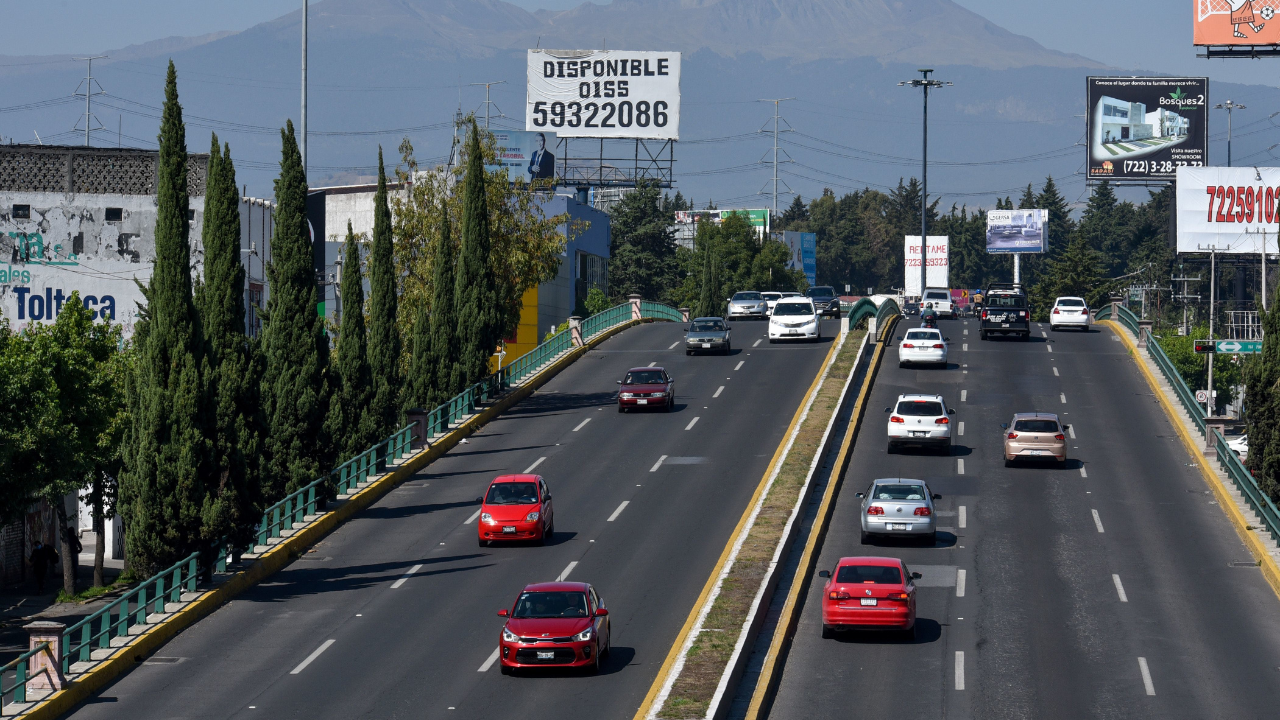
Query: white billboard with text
[604,94]
[937,264]
[1230,209]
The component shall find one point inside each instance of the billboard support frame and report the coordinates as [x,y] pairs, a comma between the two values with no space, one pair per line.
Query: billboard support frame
[1217,52]
[647,163]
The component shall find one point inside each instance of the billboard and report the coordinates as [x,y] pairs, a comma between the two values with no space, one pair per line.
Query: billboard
[804,253]
[938,264]
[604,93]
[1145,128]
[1232,209]
[1017,231]
[758,219]
[1235,22]
[528,155]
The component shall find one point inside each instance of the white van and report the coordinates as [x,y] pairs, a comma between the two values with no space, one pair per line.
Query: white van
[941,299]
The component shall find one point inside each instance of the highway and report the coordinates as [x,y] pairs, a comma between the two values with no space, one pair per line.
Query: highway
[1112,588]
[394,614]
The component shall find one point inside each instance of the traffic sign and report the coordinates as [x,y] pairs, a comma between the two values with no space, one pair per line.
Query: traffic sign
[1238,346]
[1202,396]
[1205,346]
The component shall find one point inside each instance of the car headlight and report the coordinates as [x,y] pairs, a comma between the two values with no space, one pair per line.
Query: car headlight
[508,636]
[583,636]
[532,516]
[486,517]
[625,395]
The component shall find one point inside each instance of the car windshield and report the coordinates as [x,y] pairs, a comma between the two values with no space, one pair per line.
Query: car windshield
[1036,426]
[821,291]
[551,605]
[1070,302]
[924,408]
[644,377]
[512,493]
[937,295]
[873,574]
[898,492]
[1014,301]
[923,335]
[707,326]
[747,296]
[792,308]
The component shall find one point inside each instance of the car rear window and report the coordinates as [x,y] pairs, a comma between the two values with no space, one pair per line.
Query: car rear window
[937,295]
[512,493]
[1036,426]
[1070,302]
[792,308]
[928,408]
[1015,301]
[551,605]
[821,291]
[923,335]
[747,296]
[874,574]
[644,377]
[898,492]
[706,327]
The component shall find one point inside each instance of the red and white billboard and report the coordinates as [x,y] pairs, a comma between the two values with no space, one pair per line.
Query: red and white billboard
[937,264]
[1230,209]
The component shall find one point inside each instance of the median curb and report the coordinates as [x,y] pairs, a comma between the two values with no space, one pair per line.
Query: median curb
[1229,504]
[281,554]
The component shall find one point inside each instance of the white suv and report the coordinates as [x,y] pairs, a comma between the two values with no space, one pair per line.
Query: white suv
[940,298]
[920,420]
[923,345]
[794,319]
[1070,312]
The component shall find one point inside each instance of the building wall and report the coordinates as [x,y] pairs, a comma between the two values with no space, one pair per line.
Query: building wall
[557,298]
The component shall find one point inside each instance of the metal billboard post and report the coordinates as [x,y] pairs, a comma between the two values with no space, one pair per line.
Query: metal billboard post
[924,82]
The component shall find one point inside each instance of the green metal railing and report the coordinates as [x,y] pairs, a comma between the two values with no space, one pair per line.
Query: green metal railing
[605,319]
[658,311]
[884,315]
[21,676]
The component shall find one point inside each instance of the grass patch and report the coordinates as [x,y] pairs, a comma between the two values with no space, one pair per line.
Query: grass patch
[691,693]
[89,593]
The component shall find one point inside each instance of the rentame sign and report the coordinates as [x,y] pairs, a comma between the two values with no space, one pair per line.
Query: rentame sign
[604,93]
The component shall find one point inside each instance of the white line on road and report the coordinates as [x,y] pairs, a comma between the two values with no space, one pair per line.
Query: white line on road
[960,583]
[657,464]
[691,424]
[964,519]
[739,365]
[964,395]
[618,512]
[655,362]
[1055,372]
[567,570]
[406,576]
[1049,348]
[961,427]
[673,347]
[966,332]
[473,517]
[965,347]
[1072,429]
[754,344]
[1063,397]
[538,462]
[1119,588]
[489,663]
[959,669]
[303,665]
[718,391]
[582,425]
[1097,521]
[1082,472]
[1146,676]
[959,466]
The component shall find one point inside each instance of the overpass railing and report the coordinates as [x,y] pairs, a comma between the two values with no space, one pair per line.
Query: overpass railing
[884,315]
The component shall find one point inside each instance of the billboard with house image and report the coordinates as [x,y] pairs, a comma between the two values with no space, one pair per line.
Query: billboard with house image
[1143,129]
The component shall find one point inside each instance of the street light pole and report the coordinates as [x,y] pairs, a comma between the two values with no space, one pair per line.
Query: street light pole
[1229,106]
[925,83]
[303,137]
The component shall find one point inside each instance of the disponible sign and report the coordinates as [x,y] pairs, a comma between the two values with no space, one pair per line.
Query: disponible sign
[1145,128]
[604,93]
[1232,210]
[937,264]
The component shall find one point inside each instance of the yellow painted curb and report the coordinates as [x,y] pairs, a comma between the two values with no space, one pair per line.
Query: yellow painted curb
[286,551]
[707,589]
[767,683]
[1225,501]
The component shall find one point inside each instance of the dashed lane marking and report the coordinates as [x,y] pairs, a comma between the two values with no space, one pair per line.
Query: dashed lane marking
[1097,521]
[567,570]
[618,512]
[538,462]
[739,365]
[1146,676]
[963,521]
[754,344]
[473,517]
[1049,348]
[1083,473]
[961,428]
[1055,372]
[1044,334]
[966,331]
[959,466]
[1072,429]
[406,576]
[718,391]
[1119,588]
[1063,397]
[964,395]
[965,347]
[657,464]
[316,653]
[493,658]
[960,583]
[959,669]
[673,347]
[691,424]
[655,362]
[582,425]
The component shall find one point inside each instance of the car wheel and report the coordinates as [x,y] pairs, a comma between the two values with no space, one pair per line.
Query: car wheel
[910,634]
[507,670]
[688,352]
[982,335]
[728,348]
[671,403]
[1026,337]
[772,341]
[827,632]
[891,449]
[542,538]
[1053,328]
[551,529]
[483,543]
[931,539]
[866,538]
[594,667]
[902,363]
[621,409]
[1008,463]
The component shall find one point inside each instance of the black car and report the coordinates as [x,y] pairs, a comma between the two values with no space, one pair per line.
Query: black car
[825,300]
[1005,312]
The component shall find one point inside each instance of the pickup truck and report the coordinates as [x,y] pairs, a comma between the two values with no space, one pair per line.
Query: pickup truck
[1005,312]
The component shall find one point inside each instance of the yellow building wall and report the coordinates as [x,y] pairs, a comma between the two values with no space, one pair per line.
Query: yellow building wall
[526,337]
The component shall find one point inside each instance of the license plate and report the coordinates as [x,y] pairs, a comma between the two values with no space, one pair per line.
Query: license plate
[1004,324]
[706,345]
[793,332]
[508,528]
[642,401]
[1039,452]
[546,655]
[919,433]
[869,601]
[893,526]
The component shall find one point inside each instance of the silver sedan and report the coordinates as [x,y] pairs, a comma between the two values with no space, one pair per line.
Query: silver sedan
[748,304]
[898,507]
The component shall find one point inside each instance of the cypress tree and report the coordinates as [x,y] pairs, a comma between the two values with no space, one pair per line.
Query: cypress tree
[237,421]
[446,380]
[352,422]
[417,385]
[295,388]
[479,321]
[170,459]
[706,300]
[1262,373]
[384,336]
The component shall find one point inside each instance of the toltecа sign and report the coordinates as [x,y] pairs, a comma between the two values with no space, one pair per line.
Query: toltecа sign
[1229,209]
[1017,231]
[604,93]
[1145,128]
[937,264]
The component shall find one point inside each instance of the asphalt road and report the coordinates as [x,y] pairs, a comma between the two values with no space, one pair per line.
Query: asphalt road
[1041,621]
[417,650]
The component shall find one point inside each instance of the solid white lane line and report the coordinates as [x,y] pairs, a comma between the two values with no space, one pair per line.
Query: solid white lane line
[1119,588]
[1146,676]
[1049,348]
[964,395]
[493,658]
[406,576]
[303,665]
[739,365]
[1072,429]
[959,669]
[718,391]
[655,362]
[755,343]
[657,464]
[964,520]
[1097,521]
[691,424]
[1082,472]
[960,583]
[959,466]
[582,425]
[1055,372]
[567,570]
[618,512]
[1063,397]
[961,427]
[538,462]
[673,347]
[473,517]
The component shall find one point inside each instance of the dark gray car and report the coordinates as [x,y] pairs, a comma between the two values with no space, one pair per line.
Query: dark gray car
[707,334]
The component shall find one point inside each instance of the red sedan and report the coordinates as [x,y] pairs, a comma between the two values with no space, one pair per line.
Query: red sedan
[516,507]
[646,387]
[876,593]
[560,624]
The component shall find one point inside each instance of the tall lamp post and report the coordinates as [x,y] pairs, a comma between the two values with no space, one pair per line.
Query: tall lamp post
[1229,106]
[925,82]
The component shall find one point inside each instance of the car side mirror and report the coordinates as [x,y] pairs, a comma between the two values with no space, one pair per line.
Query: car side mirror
[824,573]
[1066,427]
[601,612]
[937,496]
[503,613]
[861,494]
[946,339]
[916,576]
[888,409]
[951,411]
[1004,426]
[480,500]
[899,338]
[619,382]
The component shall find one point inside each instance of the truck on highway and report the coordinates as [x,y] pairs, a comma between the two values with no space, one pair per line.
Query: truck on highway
[941,300]
[1005,312]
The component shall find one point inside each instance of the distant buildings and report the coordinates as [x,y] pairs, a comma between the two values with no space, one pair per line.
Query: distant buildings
[1122,120]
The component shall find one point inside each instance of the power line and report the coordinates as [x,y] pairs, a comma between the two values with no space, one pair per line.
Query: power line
[777,105]
[88,84]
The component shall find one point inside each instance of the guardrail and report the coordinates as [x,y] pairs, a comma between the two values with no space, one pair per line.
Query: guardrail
[21,678]
[886,312]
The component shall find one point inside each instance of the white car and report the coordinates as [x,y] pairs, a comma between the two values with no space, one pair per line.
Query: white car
[1070,312]
[794,319]
[923,345]
[922,421]
[941,300]
[771,298]
[1240,446]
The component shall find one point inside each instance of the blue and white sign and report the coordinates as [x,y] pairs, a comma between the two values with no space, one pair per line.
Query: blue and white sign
[1017,231]
[804,253]
[528,155]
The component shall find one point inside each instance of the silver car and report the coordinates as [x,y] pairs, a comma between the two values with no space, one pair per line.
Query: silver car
[707,334]
[898,507]
[748,304]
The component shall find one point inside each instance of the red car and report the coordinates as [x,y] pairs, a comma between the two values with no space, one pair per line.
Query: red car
[869,593]
[646,387]
[561,624]
[516,507]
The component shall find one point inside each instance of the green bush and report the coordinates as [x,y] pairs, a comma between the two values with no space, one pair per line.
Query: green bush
[596,300]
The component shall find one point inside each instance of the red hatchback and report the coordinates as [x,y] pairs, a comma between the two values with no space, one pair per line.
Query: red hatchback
[560,624]
[516,507]
[869,593]
[646,387]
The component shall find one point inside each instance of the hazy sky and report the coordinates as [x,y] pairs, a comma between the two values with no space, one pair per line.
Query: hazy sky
[1140,34]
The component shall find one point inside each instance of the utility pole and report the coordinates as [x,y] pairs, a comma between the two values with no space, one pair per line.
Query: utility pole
[777,119]
[88,96]
[1229,106]
[924,82]
[304,89]
[488,102]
